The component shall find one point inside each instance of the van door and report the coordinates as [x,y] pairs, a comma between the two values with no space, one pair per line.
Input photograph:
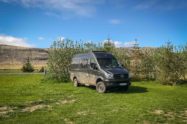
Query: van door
[83,73]
[93,72]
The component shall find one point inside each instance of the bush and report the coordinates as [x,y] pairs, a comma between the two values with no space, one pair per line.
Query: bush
[41,69]
[147,65]
[184,57]
[60,55]
[165,64]
[27,67]
[122,57]
[136,59]
[169,64]
[108,46]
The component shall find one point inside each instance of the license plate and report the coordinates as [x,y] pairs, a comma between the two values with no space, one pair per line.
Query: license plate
[123,84]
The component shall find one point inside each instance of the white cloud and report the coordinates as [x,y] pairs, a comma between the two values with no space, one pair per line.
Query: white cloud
[161,4]
[115,21]
[122,43]
[130,43]
[77,7]
[14,41]
[60,38]
[41,38]
[118,43]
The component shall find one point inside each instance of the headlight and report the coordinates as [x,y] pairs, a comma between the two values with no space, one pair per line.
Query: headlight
[109,76]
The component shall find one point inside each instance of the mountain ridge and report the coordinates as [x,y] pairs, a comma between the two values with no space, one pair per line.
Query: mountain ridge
[13,57]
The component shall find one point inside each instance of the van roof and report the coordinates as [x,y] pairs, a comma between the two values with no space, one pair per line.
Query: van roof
[103,54]
[98,51]
[98,54]
[82,55]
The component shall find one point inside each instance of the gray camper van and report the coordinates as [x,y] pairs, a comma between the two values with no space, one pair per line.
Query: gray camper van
[100,69]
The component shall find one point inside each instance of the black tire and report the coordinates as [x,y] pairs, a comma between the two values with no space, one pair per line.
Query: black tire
[101,87]
[75,82]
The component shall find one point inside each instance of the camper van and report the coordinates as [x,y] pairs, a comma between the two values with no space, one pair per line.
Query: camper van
[100,69]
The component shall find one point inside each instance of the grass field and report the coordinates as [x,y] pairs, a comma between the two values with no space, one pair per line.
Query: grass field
[27,99]
[16,71]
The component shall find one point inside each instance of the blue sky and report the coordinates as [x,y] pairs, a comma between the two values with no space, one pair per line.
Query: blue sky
[37,23]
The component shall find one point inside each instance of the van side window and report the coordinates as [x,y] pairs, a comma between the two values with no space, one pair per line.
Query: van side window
[84,63]
[92,60]
[93,64]
[75,63]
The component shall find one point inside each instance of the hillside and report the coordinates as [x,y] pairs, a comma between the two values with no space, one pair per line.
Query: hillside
[13,57]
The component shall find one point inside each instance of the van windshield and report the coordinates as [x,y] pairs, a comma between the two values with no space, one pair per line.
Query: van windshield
[108,62]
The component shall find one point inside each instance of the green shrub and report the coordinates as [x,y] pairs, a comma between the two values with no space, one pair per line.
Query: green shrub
[27,67]
[60,55]
[147,65]
[42,69]
[169,65]
[165,64]
[109,46]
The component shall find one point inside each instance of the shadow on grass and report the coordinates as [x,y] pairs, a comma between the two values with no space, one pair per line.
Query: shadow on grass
[132,89]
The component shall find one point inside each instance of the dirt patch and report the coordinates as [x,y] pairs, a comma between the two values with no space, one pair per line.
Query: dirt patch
[158,112]
[34,108]
[71,96]
[36,105]
[82,113]
[185,113]
[170,115]
[4,110]
[61,102]
[68,121]
[146,122]
[182,115]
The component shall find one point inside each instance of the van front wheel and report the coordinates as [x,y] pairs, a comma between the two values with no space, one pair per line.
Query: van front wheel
[101,87]
[75,82]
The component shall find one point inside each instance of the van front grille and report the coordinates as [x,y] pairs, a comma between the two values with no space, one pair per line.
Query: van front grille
[121,76]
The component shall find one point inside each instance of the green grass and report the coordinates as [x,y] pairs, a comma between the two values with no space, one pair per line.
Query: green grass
[145,102]
[4,71]
[10,71]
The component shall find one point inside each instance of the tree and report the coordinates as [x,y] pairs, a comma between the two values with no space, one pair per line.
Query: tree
[27,67]
[169,64]
[184,56]
[109,45]
[90,46]
[60,55]
[136,56]
[122,55]
[147,65]
[42,69]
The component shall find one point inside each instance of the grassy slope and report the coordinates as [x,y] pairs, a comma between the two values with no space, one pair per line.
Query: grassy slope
[138,105]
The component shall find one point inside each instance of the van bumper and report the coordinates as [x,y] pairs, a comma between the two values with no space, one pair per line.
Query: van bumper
[117,83]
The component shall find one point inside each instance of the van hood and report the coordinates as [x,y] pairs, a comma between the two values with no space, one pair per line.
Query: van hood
[117,70]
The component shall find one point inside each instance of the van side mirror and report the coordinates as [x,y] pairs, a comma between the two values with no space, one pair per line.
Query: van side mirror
[94,66]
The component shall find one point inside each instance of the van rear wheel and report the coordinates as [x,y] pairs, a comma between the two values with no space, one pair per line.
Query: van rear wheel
[75,83]
[101,87]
